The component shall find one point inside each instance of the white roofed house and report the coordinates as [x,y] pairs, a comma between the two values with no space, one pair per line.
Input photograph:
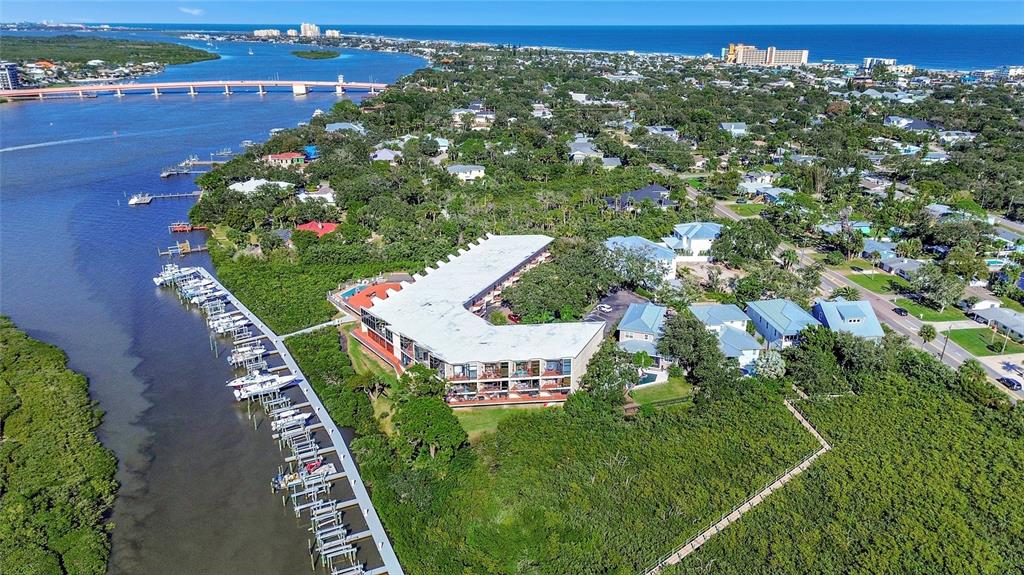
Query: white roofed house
[466,172]
[386,155]
[252,184]
[435,321]
[692,241]
[735,129]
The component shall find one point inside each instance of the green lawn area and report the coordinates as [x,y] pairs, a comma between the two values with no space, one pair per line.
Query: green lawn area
[925,313]
[747,210]
[854,263]
[976,341]
[1011,303]
[699,184]
[880,282]
[674,389]
[480,420]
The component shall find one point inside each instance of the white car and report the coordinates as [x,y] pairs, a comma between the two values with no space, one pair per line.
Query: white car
[604,308]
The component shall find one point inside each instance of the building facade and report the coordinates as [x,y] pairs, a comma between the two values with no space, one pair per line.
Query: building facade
[308,30]
[266,33]
[770,56]
[9,79]
[438,320]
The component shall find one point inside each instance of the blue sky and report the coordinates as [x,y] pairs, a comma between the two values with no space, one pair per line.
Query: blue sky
[522,12]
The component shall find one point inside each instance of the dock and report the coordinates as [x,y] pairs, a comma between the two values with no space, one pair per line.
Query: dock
[323,482]
[185,227]
[182,249]
[143,199]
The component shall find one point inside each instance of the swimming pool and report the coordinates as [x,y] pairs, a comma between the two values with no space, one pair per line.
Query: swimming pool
[995,262]
[648,378]
[352,291]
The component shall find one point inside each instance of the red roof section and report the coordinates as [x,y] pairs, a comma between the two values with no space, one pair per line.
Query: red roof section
[319,228]
[285,156]
[363,299]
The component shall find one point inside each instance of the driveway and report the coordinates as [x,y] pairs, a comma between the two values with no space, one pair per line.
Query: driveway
[618,301]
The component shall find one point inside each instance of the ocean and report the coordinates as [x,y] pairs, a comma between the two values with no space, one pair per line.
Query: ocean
[933,47]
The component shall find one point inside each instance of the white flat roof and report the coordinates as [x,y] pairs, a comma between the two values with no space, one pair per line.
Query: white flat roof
[432,309]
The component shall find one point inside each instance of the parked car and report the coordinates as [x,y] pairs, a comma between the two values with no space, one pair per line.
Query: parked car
[741,200]
[514,318]
[900,311]
[604,308]
[1010,383]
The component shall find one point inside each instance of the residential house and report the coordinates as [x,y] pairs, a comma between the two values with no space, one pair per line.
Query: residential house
[479,118]
[610,163]
[319,228]
[640,329]
[662,257]
[655,194]
[729,323]
[775,195]
[323,192]
[285,160]
[466,172]
[386,155]
[1005,320]
[834,228]
[355,127]
[761,177]
[779,321]
[902,267]
[582,148]
[540,111]
[909,124]
[953,137]
[735,129]
[856,317]
[692,241]
[935,158]
[664,131]
[252,184]
[884,250]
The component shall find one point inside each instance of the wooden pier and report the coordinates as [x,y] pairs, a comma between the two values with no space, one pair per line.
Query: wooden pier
[184,228]
[182,249]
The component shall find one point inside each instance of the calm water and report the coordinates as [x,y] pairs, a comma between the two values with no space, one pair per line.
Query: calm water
[75,271]
[933,47]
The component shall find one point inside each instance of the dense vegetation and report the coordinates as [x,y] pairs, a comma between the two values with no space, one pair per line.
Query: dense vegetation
[79,50]
[924,477]
[316,54]
[572,490]
[56,480]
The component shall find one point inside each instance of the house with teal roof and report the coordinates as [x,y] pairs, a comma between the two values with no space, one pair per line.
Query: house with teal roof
[856,317]
[640,329]
[692,241]
[729,323]
[779,321]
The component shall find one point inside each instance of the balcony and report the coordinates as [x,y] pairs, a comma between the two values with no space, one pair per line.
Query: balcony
[456,402]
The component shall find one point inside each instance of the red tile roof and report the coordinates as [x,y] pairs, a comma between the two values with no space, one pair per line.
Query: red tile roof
[286,156]
[363,299]
[319,228]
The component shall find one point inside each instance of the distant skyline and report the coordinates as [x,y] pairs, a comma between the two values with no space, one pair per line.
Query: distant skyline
[520,12]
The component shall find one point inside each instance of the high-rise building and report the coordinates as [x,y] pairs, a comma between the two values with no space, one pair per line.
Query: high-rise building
[332,34]
[292,33]
[307,30]
[266,33]
[1009,72]
[752,56]
[9,76]
[870,63]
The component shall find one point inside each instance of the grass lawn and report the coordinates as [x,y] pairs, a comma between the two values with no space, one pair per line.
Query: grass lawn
[1011,303]
[855,263]
[694,182]
[364,363]
[480,420]
[673,389]
[880,282]
[976,341]
[747,210]
[925,313]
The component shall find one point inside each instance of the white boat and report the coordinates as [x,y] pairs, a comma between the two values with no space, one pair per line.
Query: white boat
[248,143]
[283,422]
[260,388]
[250,51]
[251,378]
[140,199]
[317,113]
[275,131]
[171,273]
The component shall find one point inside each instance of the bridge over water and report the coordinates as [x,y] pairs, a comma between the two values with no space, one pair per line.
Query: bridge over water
[297,87]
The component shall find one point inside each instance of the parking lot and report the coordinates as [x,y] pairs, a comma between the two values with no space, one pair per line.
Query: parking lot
[618,302]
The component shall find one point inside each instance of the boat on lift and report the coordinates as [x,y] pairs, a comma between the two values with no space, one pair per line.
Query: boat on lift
[260,388]
[288,418]
[296,478]
[255,378]
[139,199]
[172,273]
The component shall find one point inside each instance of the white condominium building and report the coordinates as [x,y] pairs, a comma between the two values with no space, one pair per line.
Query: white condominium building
[753,56]
[332,33]
[437,321]
[266,33]
[307,30]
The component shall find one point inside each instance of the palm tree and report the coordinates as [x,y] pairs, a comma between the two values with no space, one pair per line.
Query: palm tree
[789,257]
[849,293]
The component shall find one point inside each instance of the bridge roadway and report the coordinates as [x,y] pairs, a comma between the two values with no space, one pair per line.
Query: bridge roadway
[298,87]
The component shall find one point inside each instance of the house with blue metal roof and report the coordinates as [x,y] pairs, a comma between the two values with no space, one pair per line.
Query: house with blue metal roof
[856,317]
[692,241]
[885,250]
[663,258]
[729,323]
[656,194]
[779,321]
[640,329]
